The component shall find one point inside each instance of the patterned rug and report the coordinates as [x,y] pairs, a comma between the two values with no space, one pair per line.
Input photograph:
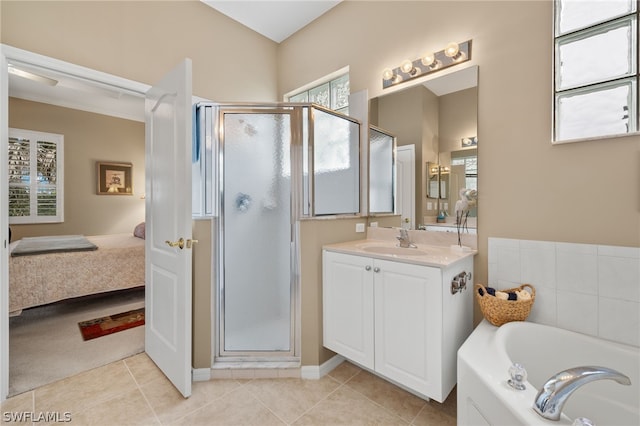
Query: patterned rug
[99,327]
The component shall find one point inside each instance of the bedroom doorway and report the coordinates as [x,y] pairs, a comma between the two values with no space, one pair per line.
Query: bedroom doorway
[46,345]
[82,74]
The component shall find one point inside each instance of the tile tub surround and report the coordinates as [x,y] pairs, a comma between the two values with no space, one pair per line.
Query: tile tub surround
[588,288]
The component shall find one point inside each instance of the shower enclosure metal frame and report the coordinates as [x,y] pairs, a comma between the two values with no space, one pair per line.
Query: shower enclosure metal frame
[210,176]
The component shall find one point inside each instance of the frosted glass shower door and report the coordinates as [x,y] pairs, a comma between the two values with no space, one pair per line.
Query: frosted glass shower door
[256,233]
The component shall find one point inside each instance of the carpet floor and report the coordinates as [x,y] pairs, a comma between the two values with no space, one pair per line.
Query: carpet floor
[45,343]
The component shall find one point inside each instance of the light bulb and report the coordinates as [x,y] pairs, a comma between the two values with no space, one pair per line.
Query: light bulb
[452,50]
[388,74]
[428,59]
[406,66]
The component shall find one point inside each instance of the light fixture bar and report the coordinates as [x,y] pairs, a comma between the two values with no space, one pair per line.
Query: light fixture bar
[453,54]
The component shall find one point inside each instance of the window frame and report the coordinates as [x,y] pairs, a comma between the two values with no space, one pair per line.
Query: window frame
[34,137]
[634,108]
[328,79]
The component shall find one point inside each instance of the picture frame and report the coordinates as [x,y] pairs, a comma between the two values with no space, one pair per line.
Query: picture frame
[114,178]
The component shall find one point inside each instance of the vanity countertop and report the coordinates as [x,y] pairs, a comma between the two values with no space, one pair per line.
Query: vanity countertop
[422,254]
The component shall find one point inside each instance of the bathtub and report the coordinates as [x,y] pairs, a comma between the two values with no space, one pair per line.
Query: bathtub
[485,398]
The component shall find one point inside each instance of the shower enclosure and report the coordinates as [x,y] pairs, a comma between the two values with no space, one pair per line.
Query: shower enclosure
[251,171]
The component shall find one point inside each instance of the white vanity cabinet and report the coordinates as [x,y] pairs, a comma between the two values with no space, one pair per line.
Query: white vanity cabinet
[399,320]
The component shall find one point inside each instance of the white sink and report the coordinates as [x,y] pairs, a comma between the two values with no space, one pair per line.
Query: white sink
[401,251]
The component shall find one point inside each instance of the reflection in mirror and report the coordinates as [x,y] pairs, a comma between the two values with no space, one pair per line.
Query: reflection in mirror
[433,179]
[464,174]
[444,183]
[438,117]
[382,147]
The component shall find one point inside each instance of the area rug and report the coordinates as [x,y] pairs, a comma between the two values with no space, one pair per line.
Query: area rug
[110,324]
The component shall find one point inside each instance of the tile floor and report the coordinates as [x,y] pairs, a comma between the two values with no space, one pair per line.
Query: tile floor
[134,392]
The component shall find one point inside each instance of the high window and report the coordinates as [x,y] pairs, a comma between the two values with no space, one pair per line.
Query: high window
[596,69]
[336,145]
[35,177]
[332,94]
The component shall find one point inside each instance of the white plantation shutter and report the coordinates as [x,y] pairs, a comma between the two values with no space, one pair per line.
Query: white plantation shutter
[35,177]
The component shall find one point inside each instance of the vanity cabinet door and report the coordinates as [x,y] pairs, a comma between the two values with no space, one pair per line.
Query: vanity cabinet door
[408,324]
[347,306]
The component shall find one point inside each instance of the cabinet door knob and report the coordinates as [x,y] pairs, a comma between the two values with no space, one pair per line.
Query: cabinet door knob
[376,269]
[367,268]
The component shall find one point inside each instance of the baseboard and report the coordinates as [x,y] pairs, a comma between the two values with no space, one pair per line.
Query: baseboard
[318,371]
[306,372]
[200,374]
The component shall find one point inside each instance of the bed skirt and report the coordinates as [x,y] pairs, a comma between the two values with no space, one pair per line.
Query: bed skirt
[36,280]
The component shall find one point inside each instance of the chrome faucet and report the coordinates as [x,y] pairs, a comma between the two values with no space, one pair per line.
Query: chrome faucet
[404,239]
[555,392]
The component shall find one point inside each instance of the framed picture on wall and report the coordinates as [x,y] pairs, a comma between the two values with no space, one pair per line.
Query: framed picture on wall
[114,178]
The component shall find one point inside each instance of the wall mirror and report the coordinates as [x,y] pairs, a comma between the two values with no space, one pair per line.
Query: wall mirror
[439,117]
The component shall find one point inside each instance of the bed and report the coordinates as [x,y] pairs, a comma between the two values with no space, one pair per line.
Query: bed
[116,263]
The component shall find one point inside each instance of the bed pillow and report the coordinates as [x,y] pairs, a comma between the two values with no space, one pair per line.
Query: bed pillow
[139,231]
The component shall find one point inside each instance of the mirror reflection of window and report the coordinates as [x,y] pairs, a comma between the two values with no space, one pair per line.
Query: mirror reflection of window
[381,171]
[470,164]
[433,178]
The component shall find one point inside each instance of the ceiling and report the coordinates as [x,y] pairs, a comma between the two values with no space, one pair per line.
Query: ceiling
[276,20]
[73,92]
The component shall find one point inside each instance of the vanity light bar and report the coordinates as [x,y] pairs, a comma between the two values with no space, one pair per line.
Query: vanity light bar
[453,54]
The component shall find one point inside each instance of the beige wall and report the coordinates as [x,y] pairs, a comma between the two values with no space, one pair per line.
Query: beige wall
[88,138]
[203,275]
[512,45]
[458,119]
[142,40]
[529,189]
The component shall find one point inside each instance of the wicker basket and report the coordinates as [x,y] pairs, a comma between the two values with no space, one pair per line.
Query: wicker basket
[499,311]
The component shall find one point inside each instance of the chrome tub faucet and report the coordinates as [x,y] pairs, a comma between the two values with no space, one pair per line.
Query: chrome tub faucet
[555,392]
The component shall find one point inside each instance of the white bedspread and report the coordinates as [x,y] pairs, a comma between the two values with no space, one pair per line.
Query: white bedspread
[35,280]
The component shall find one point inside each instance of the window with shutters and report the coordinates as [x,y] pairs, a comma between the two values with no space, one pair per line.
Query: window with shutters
[35,177]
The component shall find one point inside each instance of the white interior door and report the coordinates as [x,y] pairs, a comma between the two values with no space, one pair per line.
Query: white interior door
[168,118]
[406,175]
[4,230]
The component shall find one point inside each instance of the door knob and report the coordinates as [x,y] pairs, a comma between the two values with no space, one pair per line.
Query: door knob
[179,243]
[406,220]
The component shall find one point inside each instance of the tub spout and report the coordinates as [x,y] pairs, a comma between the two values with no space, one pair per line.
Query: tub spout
[557,389]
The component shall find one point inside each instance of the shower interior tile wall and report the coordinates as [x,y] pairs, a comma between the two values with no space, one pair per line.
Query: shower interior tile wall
[591,289]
